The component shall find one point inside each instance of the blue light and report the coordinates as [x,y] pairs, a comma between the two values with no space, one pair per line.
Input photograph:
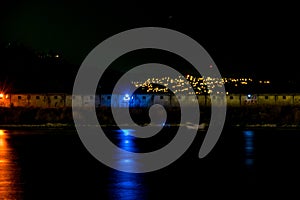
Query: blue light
[126,160]
[249,148]
[127,186]
[248,134]
[125,132]
[123,185]
[126,97]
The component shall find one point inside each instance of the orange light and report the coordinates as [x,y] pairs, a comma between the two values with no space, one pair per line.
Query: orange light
[1,95]
[2,132]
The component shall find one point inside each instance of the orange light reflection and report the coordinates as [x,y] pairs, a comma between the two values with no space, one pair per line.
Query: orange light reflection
[9,171]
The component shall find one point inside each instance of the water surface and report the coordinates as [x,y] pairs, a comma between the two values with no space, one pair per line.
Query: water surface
[54,164]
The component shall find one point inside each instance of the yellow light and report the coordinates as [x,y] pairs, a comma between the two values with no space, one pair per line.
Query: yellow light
[1,95]
[2,132]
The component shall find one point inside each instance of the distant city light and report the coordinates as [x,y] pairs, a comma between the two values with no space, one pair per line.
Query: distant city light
[192,84]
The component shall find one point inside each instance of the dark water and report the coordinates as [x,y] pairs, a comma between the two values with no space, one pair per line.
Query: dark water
[53,164]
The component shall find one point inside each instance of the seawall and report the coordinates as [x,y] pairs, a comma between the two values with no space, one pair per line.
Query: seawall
[235,116]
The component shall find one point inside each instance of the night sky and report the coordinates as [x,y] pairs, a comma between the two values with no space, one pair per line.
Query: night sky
[246,39]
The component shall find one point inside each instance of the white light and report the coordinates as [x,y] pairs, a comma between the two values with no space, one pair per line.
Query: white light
[126,97]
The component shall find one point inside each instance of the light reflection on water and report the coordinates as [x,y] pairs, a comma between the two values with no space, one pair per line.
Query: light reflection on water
[25,166]
[249,148]
[10,186]
[123,185]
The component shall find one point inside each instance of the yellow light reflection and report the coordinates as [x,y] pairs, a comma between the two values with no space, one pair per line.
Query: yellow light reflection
[9,170]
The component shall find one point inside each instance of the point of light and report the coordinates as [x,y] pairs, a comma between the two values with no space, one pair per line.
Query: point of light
[126,97]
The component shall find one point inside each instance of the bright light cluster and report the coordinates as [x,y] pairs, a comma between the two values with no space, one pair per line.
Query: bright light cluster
[190,84]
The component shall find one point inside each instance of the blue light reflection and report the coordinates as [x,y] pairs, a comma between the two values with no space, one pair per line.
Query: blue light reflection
[249,148]
[123,185]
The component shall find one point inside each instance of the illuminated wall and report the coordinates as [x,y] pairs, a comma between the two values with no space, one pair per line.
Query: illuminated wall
[19,100]
[297,100]
[284,100]
[266,99]
[216,98]
[59,100]
[233,100]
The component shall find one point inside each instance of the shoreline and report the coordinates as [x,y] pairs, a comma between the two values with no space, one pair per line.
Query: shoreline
[201,128]
[37,126]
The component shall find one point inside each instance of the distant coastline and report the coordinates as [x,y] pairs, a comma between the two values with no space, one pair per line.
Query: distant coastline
[37,126]
[59,126]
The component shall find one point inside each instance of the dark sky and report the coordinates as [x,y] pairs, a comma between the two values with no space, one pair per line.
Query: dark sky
[248,38]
